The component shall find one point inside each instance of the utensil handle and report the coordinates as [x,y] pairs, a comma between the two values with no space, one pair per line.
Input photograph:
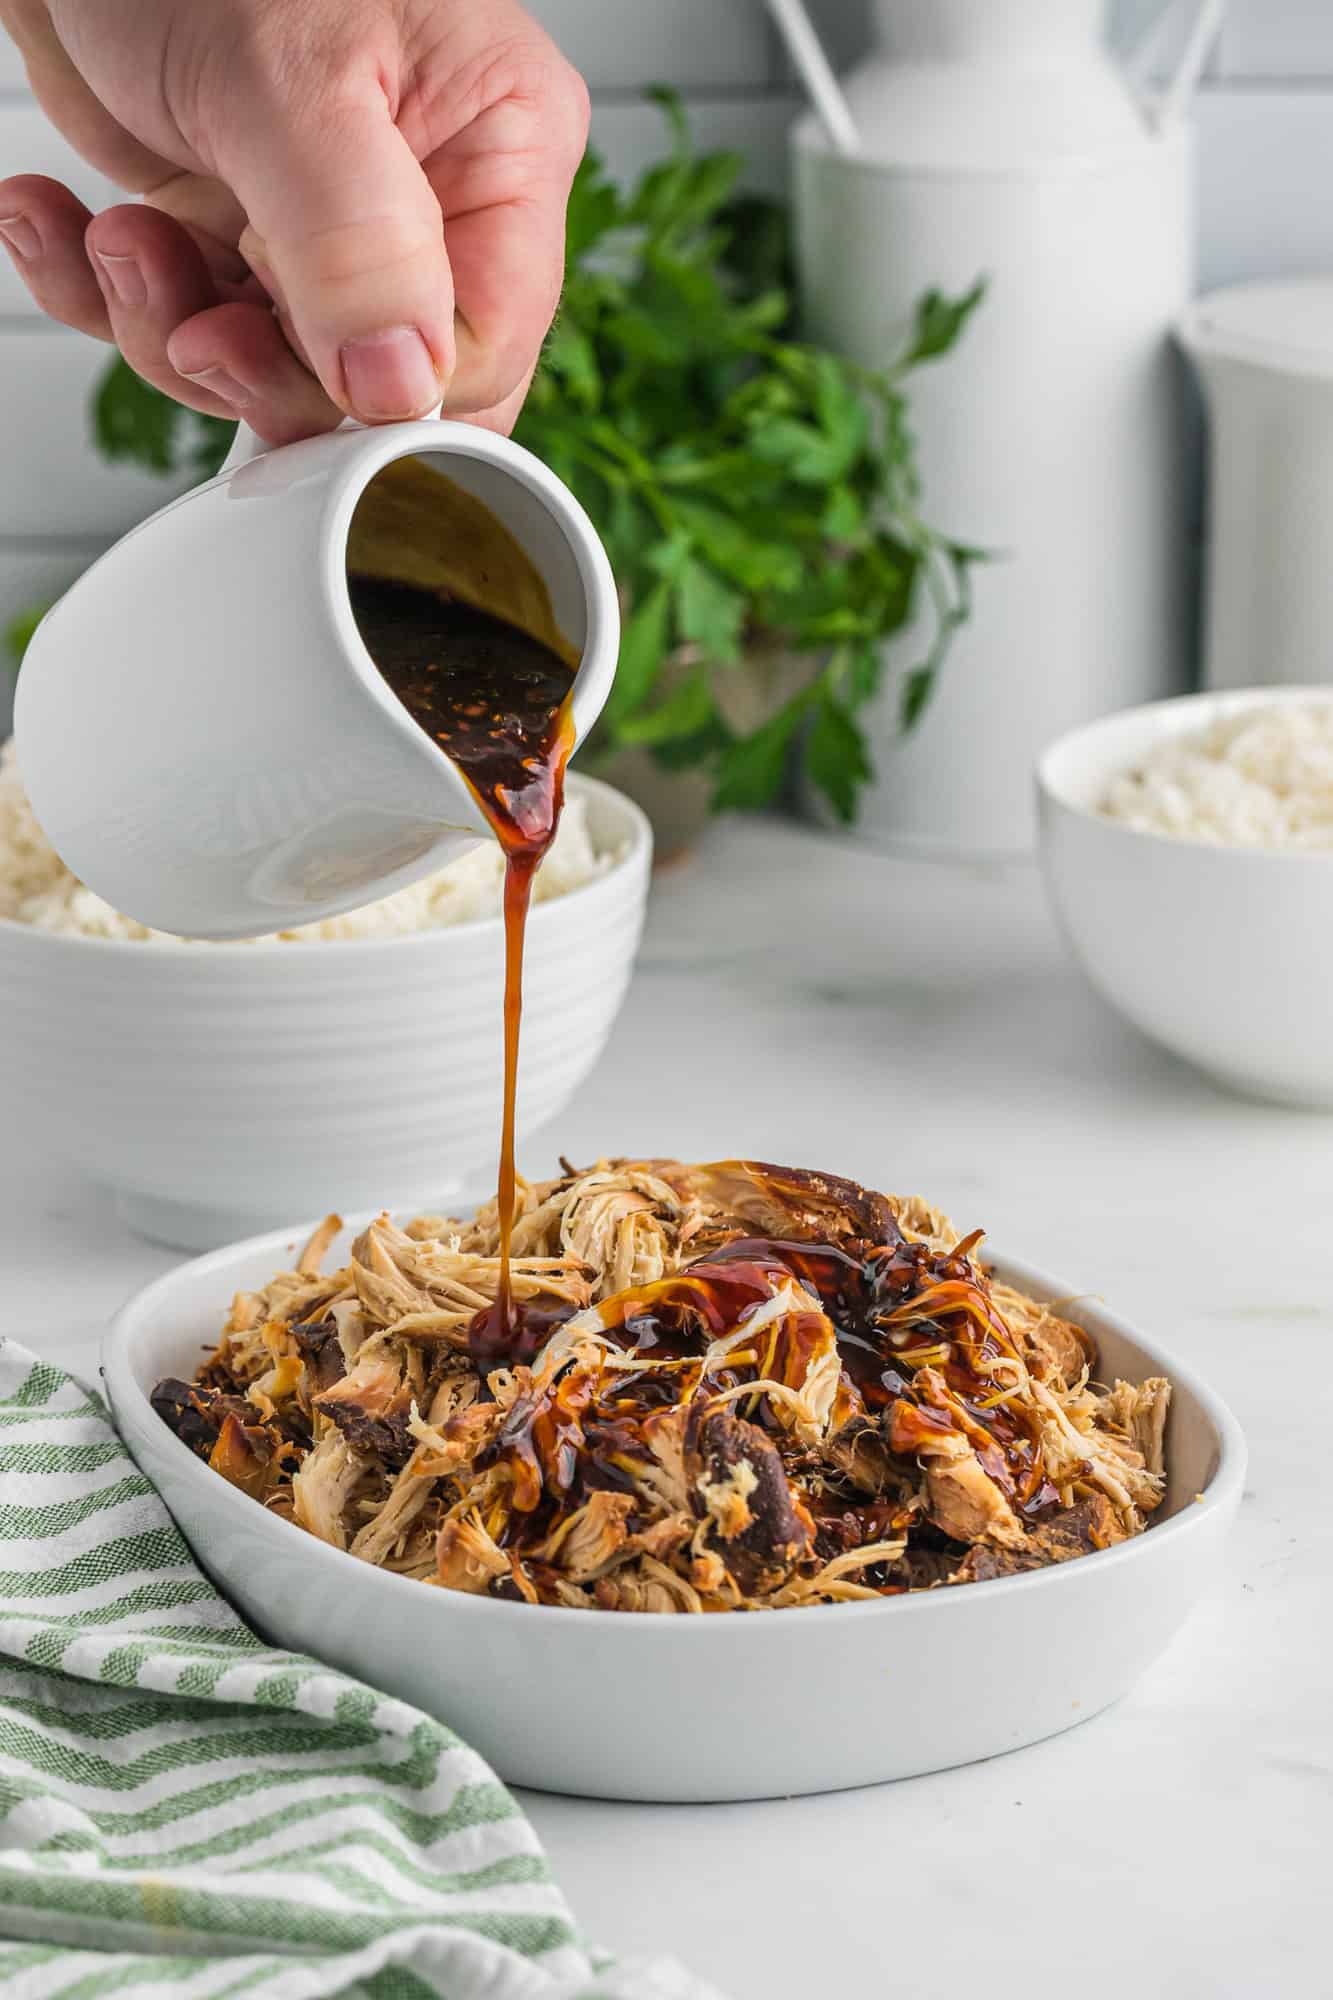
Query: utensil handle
[1179,92]
[807,52]
[1165,108]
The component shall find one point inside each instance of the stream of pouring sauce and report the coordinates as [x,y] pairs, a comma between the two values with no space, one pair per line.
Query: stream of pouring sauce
[474,654]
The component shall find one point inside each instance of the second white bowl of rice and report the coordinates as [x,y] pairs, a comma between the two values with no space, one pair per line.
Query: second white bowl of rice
[219,1088]
[1188,851]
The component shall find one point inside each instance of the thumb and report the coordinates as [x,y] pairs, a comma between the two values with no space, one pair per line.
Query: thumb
[345,225]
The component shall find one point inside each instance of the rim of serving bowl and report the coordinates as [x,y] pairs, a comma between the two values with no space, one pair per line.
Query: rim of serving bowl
[1221,1491]
[1177,715]
[638,831]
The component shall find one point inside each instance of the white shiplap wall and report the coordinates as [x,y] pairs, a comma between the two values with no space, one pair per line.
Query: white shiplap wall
[1266,167]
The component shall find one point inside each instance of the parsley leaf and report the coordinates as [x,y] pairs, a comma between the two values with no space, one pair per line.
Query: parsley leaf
[709,611]
[685,712]
[835,756]
[938,323]
[643,645]
[751,772]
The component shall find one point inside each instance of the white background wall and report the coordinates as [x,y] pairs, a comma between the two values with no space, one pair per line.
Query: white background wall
[1266,206]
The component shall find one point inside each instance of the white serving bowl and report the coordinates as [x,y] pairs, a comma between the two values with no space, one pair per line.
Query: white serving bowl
[214,1086]
[735,1706]
[1224,955]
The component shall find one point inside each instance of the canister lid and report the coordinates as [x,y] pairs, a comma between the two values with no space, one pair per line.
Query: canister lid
[1285,325]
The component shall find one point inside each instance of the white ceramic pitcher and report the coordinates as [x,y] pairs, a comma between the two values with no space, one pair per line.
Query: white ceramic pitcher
[999,140]
[204,737]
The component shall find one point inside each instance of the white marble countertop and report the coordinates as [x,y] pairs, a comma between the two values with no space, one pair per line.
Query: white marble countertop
[918,1027]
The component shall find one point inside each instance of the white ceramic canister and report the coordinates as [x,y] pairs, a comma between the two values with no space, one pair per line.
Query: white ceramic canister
[1264,353]
[1000,142]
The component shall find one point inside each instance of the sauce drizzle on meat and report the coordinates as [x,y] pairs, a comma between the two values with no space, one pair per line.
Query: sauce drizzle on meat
[757,1388]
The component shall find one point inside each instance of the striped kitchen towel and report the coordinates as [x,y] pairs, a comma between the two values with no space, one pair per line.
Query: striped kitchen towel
[185,1811]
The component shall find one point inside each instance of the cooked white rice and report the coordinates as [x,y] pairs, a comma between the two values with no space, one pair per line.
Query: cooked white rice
[36,887]
[1260,779]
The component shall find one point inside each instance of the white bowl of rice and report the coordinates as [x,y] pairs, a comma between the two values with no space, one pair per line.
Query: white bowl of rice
[217,1088]
[1188,849]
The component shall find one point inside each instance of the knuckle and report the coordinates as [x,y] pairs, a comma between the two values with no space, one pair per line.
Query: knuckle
[372,252]
[562,98]
[580,107]
[528,69]
[304,65]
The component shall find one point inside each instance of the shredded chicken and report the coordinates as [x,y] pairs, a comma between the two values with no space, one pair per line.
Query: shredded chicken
[731,1387]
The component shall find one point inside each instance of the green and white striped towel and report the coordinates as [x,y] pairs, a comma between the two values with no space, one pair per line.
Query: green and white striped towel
[186,1811]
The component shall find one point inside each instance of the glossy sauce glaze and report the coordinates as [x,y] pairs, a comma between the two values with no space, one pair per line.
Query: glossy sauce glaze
[916,1338]
[497,701]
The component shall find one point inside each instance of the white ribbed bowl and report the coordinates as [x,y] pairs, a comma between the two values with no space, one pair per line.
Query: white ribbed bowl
[217,1088]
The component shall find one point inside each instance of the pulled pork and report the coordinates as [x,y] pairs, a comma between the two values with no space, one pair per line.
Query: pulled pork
[732,1387]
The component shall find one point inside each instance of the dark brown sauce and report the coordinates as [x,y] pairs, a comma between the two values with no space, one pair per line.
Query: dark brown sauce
[585,1428]
[497,701]
[497,1340]
[865,1289]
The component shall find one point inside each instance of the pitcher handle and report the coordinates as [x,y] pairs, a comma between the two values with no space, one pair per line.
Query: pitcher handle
[246,445]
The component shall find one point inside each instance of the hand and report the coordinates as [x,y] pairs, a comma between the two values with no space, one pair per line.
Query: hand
[350,206]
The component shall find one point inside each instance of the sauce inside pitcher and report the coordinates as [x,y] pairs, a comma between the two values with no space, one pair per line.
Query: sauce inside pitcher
[460,625]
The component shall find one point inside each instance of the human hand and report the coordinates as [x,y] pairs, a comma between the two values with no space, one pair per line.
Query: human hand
[349,206]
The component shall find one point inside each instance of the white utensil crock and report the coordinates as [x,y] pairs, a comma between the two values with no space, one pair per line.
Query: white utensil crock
[1264,354]
[204,737]
[1000,143]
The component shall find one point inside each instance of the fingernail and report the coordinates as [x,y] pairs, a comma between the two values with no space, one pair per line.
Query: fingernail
[20,236]
[390,374]
[125,278]
[220,382]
